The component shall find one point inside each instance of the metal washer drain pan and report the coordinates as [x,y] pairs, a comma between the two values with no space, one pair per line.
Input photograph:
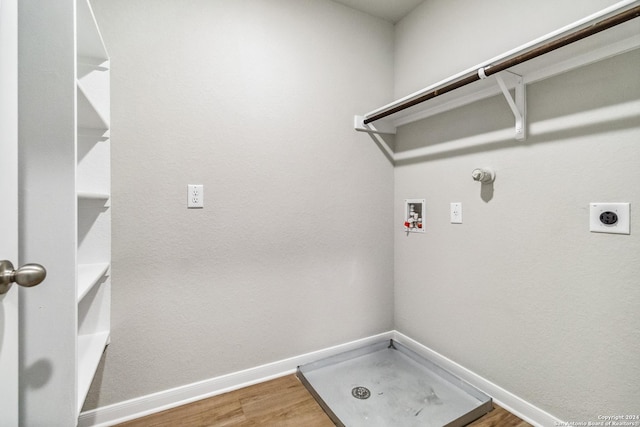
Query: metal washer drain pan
[401,389]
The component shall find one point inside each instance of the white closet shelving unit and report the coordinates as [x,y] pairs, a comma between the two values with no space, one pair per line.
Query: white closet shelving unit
[66,210]
[610,42]
[93,190]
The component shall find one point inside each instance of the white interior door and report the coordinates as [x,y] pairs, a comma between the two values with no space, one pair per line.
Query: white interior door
[9,208]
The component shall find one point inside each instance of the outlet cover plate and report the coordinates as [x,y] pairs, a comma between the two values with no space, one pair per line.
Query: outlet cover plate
[195,196]
[609,212]
[456,213]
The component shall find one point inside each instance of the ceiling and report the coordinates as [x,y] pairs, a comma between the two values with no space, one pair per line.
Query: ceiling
[389,10]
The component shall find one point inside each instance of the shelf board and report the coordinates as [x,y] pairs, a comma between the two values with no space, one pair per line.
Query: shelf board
[89,195]
[87,64]
[90,348]
[88,276]
[93,200]
[93,135]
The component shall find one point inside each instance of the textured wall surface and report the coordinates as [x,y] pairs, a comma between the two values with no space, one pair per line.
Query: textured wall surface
[521,292]
[293,251]
[441,38]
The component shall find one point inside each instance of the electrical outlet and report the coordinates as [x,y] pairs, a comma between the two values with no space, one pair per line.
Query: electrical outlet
[456,213]
[195,196]
[609,218]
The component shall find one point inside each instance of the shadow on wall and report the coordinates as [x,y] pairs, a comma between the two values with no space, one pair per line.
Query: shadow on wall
[386,143]
[486,192]
[574,104]
[499,140]
[34,377]
[93,396]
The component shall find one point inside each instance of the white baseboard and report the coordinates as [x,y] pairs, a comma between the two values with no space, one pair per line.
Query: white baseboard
[509,401]
[167,399]
[156,402]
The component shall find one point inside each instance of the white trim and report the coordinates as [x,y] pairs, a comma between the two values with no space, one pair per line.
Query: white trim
[167,399]
[381,126]
[582,23]
[502,397]
[156,402]
[595,48]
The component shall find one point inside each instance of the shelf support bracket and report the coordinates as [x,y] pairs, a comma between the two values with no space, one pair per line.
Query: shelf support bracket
[380,127]
[518,105]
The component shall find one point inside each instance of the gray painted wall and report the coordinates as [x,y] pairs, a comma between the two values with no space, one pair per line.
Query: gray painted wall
[440,38]
[521,292]
[293,251]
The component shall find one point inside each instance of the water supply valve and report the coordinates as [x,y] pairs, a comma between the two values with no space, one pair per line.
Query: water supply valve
[414,220]
[414,209]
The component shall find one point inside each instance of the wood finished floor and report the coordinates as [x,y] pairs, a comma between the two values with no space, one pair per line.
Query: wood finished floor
[281,402]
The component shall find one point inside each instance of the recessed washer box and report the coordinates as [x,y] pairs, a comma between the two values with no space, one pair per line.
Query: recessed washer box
[414,211]
[609,218]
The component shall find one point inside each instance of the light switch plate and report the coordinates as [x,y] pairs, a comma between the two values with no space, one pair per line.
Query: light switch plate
[609,218]
[456,213]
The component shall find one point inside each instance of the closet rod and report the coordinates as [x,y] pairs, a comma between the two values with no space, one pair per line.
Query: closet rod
[519,59]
